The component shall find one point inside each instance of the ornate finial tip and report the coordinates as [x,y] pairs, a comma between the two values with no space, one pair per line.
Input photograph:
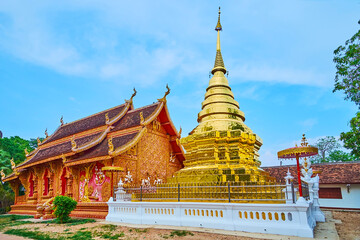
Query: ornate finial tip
[218,25]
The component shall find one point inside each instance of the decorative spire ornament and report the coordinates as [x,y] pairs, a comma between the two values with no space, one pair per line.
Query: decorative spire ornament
[142,120]
[46,133]
[163,99]
[62,120]
[73,143]
[38,141]
[110,145]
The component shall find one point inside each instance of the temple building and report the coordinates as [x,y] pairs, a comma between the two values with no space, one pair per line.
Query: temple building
[143,141]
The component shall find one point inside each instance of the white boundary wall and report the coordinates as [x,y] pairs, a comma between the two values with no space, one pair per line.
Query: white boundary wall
[284,219]
[349,199]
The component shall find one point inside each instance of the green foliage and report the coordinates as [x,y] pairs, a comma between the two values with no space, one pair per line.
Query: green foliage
[347,60]
[180,233]
[351,139]
[73,222]
[6,198]
[340,156]
[15,146]
[109,227]
[63,206]
[347,79]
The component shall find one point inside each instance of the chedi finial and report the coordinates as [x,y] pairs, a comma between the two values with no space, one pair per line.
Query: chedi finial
[218,25]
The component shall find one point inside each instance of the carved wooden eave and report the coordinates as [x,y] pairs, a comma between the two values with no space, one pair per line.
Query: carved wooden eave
[130,144]
[92,143]
[121,114]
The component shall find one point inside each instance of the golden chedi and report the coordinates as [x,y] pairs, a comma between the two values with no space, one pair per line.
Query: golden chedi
[221,148]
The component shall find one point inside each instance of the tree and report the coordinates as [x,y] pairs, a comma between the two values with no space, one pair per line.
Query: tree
[63,206]
[5,164]
[347,79]
[351,139]
[326,145]
[347,60]
[15,147]
[340,156]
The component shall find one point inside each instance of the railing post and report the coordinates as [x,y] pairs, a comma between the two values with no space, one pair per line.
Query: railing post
[178,192]
[293,192]
[141,193]
[229,192]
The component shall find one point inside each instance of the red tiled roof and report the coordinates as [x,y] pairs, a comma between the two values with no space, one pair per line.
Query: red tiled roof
[331,173]
[84,124]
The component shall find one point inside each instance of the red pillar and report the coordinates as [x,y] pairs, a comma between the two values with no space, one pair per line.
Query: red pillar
[298,173]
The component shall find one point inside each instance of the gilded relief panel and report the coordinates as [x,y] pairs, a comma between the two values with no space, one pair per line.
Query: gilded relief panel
[153,155]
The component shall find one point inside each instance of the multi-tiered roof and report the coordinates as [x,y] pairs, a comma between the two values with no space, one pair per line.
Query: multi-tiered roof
[101,136]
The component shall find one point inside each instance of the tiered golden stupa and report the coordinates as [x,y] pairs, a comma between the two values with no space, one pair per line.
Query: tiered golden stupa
[221,148]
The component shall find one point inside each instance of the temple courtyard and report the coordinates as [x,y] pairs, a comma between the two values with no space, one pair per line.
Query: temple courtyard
[338,225]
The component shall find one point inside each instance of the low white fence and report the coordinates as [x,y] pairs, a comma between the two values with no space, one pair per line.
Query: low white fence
[284,219]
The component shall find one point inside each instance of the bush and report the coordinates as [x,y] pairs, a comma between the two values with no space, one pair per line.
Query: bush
[63,206]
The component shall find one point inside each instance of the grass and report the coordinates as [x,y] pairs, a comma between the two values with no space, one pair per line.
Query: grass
[13,217]
[72,221]
[37,235]
[138,230]
[109,227]
[180,233]
[112,237]
[82,235]
[12,220]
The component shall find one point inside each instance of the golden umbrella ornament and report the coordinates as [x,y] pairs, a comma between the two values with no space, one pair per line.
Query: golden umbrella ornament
[304,150]
[112,169]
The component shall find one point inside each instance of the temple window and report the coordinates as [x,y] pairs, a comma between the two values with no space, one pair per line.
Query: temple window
[31,185]
[63,182]
[46,182]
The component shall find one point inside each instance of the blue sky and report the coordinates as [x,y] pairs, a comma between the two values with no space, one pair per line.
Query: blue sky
[76,58]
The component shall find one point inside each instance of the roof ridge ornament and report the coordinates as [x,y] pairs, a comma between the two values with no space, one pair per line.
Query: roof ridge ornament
[132,96]
[110,145]
[107,120]
[142,120]
[73,143]
[38,141]
[163,99]
[26,152]
[62,120]
[46,133]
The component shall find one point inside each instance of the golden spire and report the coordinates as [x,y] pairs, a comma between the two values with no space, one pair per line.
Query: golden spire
[219,62]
